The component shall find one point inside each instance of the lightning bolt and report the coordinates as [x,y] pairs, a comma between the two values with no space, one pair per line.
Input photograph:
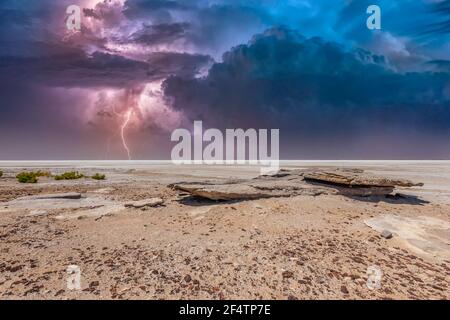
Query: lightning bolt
[122,132]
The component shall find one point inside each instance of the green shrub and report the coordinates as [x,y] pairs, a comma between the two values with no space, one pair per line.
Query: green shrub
[1,173]
[98,176]
[27,177]
[72,175]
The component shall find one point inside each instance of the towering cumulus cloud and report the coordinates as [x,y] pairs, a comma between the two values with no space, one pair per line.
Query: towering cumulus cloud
[138,69]
[318,92]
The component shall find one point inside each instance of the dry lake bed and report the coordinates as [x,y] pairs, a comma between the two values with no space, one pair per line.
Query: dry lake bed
[153,230]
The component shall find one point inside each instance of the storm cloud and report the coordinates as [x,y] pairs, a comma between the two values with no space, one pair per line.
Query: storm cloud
[76,69]
[310,68]
[159,33]
[313,89]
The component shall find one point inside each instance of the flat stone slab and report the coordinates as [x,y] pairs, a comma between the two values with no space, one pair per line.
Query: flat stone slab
[56,203]
[70,208]
[96,212]
[248,190]
[352,179]
[287,183]
[153,202]
[422,234]
[68,195]
[226,192]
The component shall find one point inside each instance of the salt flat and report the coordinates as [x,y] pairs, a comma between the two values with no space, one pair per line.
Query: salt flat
[306,247]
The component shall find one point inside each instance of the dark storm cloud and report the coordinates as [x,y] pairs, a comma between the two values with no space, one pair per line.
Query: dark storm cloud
[183,65]
[34,51]
[440,65]
[220,23]
[71,67]
[441,24]
[91,13]
[67,67]
[213,26]
[141,7]
[10,17]
[311,87]
[109,12]
[99,69]
[159,33]
[156,10]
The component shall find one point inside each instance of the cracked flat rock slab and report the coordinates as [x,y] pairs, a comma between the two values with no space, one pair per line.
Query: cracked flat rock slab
[242,191]
[96,212]
[227,191]
[423,234]
[68,205]
[288,183]
[55,203]
[352,179]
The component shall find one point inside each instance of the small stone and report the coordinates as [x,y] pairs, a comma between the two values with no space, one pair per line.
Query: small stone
[187,278]
[258,206]
[287,274]
[387,234]
[344,290]
[60,292]
[15,268]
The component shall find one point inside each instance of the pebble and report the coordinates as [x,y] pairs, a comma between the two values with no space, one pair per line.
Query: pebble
[287,274]
[344,290]
[387,234]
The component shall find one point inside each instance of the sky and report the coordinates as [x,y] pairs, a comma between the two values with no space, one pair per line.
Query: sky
[138,69]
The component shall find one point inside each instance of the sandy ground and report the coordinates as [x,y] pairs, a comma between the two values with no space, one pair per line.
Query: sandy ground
[300,247]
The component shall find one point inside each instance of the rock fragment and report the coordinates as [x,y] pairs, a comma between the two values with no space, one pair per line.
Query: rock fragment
[152,202]
[344,289]
[386,234]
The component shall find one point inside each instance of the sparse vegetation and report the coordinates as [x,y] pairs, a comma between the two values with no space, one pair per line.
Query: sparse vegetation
[1,173]
[71,175]
[27,177]
[41,173]
[98,176]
